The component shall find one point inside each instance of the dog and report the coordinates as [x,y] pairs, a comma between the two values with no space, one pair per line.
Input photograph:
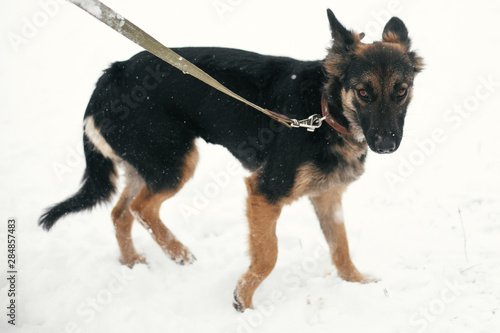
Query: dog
[145,116]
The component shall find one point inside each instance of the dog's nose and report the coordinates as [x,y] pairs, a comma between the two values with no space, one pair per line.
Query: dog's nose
[384,145]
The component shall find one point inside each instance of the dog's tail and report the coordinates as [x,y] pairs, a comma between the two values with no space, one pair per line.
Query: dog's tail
[97,187]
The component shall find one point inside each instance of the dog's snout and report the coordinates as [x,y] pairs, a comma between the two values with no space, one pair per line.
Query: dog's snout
[385,145]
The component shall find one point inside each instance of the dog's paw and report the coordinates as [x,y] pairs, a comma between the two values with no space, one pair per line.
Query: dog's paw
[186,259]
[355,276]
[369,279]
[242,297]
[237,303]
[133,260]
[180,254]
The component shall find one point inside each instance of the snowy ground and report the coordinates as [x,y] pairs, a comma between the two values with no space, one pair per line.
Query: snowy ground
[425,220]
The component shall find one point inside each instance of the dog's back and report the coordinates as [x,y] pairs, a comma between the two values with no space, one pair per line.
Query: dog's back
[146,93]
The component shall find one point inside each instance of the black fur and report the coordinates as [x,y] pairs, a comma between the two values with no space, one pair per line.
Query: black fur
[181,108]
[97,187]
[396,26]
[149,113]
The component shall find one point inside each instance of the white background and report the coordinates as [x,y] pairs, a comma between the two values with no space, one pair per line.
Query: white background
[425,220]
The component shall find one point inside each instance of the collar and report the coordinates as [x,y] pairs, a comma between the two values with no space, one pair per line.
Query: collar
[328,117]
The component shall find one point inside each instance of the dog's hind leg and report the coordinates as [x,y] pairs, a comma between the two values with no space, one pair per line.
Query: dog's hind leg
[262,217]
[123,219]
[328,207]
[146,208]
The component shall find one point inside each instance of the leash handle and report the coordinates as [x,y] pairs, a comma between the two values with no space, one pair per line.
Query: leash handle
[126,28]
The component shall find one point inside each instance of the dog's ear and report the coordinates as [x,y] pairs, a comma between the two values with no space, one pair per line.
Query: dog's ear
[344,45]
[343,39]
[395,32]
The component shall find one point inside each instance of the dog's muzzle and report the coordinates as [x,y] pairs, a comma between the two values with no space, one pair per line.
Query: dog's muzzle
[385,145]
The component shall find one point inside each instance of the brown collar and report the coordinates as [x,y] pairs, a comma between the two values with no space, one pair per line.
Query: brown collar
[325,111]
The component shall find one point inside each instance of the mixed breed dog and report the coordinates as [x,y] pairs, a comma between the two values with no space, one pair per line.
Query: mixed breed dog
[366,87]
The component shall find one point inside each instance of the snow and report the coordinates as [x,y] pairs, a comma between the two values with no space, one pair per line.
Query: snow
[90,6]
[424,221]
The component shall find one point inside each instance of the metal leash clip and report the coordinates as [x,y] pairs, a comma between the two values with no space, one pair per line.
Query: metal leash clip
[310,123]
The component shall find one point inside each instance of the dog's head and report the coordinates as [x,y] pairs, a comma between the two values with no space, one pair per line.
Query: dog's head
[375,81]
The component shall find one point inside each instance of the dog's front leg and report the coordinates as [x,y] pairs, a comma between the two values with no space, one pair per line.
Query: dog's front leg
[262,216]
[328,207]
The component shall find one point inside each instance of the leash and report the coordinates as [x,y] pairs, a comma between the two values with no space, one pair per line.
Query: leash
[126,28]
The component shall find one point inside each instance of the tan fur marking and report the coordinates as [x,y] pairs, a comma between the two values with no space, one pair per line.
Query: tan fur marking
[391,37]
[333,60]
[262,217]
[350,113]
[327,205]
[332,64]
[310,180]
[358,37]
[123,218]
[146,209]
[398,46]
[375,79]
[389,84]
[362,48]
[94,135]
[419,64]
[350,152]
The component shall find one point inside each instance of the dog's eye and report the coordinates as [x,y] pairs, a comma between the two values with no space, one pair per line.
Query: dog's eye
[363,94]
[402,92]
